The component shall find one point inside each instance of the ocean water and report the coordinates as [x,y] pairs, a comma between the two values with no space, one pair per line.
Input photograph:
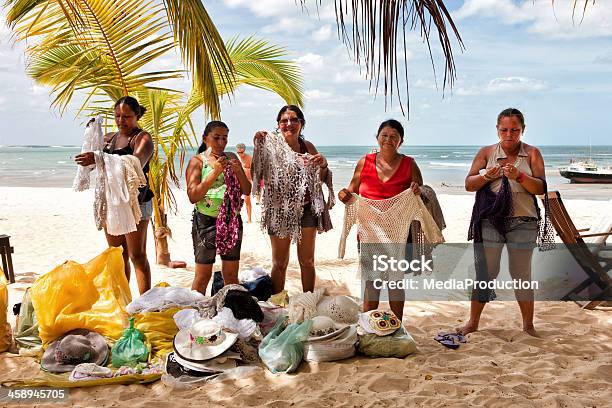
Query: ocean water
[443,167]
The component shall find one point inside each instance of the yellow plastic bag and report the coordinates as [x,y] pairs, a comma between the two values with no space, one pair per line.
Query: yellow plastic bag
[159,330]
[92,296]
[5,328]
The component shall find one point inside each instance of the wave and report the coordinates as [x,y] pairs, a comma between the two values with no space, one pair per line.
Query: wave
[448,164]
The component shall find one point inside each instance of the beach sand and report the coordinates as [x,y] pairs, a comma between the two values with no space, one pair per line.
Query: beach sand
[570,366]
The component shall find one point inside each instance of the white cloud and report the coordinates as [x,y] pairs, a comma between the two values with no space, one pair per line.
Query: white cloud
[515,84]
[322,34]
[265,8]
[316,94]
[558,20]
[324,113]
[349,77]
[310,62]
[39,90]
[281,8]
[288,25]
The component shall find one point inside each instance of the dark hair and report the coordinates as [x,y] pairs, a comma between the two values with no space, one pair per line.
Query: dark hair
[138,109]
[298,113]
[392,123]
[510,112]
[209,128]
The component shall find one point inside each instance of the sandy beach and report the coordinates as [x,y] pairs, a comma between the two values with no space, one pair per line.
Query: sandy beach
[570,366]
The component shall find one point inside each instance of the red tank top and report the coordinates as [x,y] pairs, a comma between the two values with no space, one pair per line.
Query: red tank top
[371,187]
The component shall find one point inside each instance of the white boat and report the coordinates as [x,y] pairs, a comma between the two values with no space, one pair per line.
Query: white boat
[586,172]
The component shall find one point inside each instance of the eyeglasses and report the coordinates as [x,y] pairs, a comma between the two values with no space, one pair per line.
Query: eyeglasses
[285,122]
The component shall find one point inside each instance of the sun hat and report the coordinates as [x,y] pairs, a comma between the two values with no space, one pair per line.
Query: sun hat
[342,309]
[73,348]
[338,346]
[379,322]
[209,366]
[204,340]
[323,328]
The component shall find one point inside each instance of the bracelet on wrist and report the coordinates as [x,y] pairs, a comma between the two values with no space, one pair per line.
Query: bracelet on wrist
[487,177]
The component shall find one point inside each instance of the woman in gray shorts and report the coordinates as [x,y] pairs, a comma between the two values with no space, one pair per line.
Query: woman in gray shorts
[505,212]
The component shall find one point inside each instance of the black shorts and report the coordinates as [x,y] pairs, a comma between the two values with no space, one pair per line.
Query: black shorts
[308,220]
[204,235]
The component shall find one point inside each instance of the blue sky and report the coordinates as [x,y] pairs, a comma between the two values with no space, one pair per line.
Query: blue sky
[521,54]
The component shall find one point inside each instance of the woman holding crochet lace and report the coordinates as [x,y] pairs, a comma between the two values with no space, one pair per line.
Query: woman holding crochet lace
[379,176]
[506,176]
[130,140]
[293,205]
[215,184]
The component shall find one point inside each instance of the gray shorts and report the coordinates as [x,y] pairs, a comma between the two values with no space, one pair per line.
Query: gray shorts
[308,220]
[146,209]
[522,233]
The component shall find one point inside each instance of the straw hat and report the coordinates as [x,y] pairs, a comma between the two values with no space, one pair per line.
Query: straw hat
[342,309]
[204,340]
[379,322]
[73,348]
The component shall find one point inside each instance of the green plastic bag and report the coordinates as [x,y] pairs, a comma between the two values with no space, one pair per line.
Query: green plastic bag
[130,349]
[282,350]
[26,330]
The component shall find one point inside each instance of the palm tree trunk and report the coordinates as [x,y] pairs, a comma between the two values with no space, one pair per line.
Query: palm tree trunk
[161,232]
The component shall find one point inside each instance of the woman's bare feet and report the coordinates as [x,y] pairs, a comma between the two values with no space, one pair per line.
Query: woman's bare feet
[469,327]
[530,330]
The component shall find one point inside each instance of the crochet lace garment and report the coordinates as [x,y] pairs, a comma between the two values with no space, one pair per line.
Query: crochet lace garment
[116,196]
[93,141]
[388,222]
[288,176]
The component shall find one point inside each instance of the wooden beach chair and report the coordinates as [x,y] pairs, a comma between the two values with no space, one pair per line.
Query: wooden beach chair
[586,248]
[7,261]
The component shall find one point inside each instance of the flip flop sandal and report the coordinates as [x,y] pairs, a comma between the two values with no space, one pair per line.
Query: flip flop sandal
[460,337]
[447,341]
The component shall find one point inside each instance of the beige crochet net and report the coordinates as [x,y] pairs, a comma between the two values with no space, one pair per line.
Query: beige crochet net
[388,222]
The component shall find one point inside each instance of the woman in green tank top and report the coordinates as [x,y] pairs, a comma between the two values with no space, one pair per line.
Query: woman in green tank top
[206,189]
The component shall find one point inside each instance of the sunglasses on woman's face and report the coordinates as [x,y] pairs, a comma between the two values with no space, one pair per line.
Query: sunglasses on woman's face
[292,121]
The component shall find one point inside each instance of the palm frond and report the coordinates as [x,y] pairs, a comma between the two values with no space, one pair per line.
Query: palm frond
[376,29]
[202,49]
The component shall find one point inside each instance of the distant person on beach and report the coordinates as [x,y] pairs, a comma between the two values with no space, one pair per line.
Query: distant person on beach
[291,122]
[506,176]
[132,140]
[245,160]
[216,217]
[380,176]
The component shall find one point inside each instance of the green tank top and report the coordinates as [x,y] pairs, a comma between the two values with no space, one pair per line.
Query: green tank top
[209,205]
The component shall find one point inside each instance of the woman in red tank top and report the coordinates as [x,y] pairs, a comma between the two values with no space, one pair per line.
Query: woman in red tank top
[379,176]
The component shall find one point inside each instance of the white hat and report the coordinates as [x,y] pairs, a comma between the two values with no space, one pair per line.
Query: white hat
[324,328]
[342,309]
[204,340]
[341,346]
[379,322]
